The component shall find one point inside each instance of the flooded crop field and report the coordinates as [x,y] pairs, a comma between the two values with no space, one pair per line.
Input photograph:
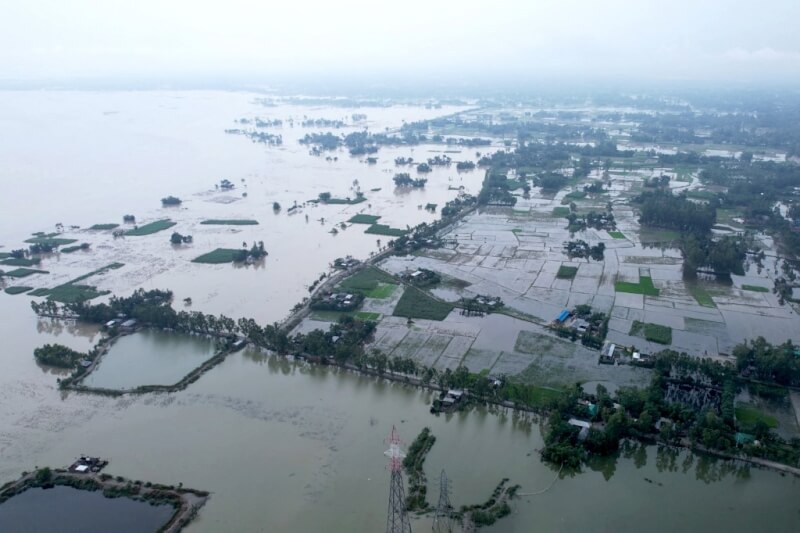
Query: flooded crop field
[287,445]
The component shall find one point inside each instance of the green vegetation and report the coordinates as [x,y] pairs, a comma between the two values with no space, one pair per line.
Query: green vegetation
[39,292]
[365,315]
[616,234]
[230,222]
[57,355]
[70,249]
[566,272]
[73,291]
[574,195]
[364,219]
[20,262]
[755,288]
[23,272]
[561,211]
[371,281]
[415,303]
[413,464]
[748,416]
[652,332]
[152,227]
[381,229]
[50,241]
[645,286]
[171,200]
[19,289]
[701,295]
[104,226]
[218,256]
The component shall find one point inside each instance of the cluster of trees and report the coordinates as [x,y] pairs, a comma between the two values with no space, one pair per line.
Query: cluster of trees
[322,141]
[465,165]
[662,209]
[582,250]
[404,179]
[171,200]
[177,238]
[402,161]
[495,190]
[592,219]
[779,364]
[255,252]
[723,256]
[551,181]
[440,161]
[58,355]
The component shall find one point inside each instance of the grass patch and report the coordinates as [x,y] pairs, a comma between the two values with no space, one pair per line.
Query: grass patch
[418,304]
[218,256]
[561,212]
[24,272]
[4,255]
[230,222]
[19,289]
[381,229]
[645,286]
[152,227]
[755,288]
[367,279]
[652,332]
[365,315]
[566,272]
[514,184]
[702,296]
[19,262]
[49,240]
[616,234]
[748,416]
[104,226]
[364,219]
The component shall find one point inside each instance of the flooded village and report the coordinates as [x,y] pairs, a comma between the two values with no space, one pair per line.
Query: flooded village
[232,298]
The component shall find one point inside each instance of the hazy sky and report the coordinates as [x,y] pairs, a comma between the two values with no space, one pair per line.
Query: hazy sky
[717,40]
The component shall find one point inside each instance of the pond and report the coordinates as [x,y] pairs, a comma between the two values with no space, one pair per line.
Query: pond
[69,510]
[150,357]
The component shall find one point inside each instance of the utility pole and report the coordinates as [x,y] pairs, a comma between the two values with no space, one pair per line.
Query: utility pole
[443,522]
[397,518]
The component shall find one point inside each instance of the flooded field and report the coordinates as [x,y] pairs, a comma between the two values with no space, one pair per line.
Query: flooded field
[284,446]
[70,510]
[149,358]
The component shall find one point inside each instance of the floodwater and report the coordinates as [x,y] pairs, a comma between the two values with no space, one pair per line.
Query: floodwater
[281,447]
[69,510]
[150,358]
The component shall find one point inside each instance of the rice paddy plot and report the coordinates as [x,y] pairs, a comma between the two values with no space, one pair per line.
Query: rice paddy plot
[381,229]
[150,228]
[104,226]
[754,288]
[24,272]
[415,303]
[229,222]
[748,416]
[701,295]
[652,332]
[566,272]
[218,256]
[364,219]
[18,289]
[645,286]
[616,234]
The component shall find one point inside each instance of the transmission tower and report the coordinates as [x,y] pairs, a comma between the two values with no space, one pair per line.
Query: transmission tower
[396,519]
[442,522]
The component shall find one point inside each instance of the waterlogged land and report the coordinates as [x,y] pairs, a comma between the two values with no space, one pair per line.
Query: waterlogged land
[289,446]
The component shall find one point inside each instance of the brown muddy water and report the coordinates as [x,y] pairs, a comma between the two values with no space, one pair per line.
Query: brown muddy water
[282,447]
